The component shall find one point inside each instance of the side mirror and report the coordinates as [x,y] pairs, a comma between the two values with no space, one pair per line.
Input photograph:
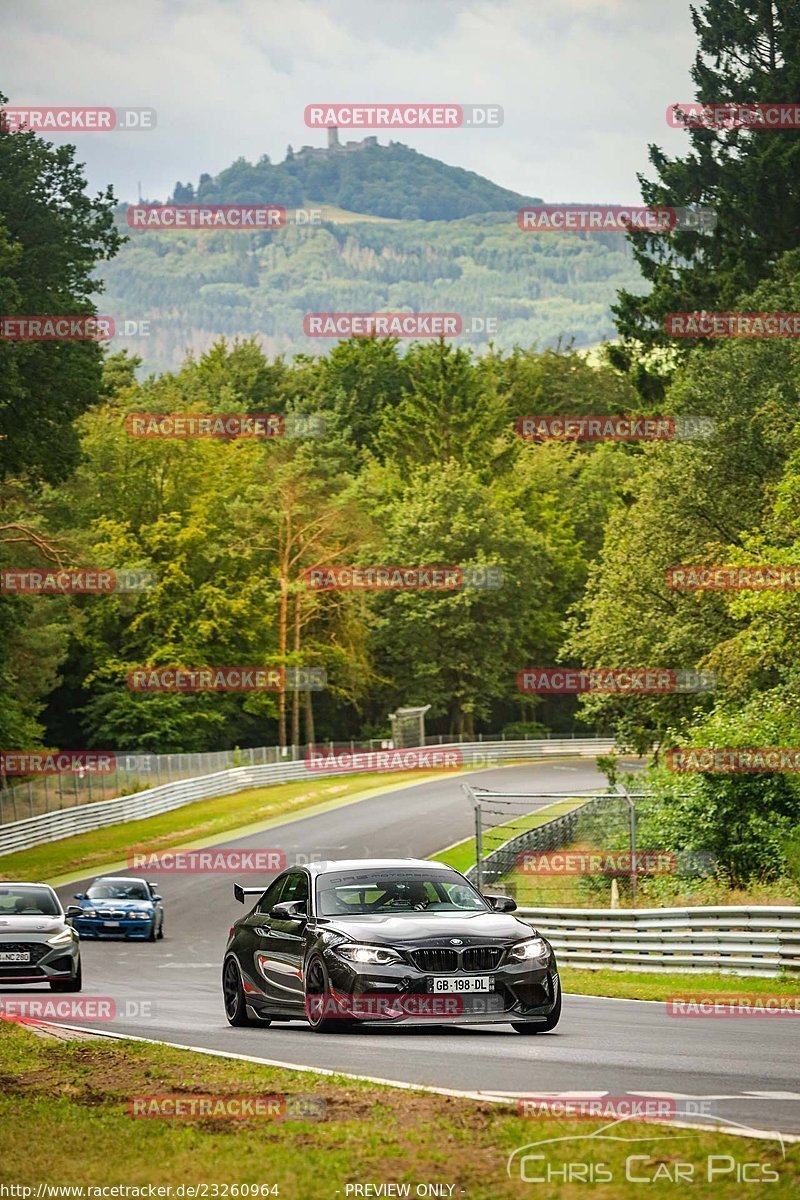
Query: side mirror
[155,896]
[78,896]
[291,910]
[501,903]
[74,910]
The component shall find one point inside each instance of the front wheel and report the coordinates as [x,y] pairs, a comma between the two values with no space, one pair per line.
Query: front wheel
[320,1006]
[68,985]
[530,1027]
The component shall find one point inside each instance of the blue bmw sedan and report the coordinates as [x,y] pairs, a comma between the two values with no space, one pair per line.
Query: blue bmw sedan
[120,907]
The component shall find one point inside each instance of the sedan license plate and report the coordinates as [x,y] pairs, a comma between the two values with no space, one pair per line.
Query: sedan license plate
[22,956]
[462,983]
[111,924]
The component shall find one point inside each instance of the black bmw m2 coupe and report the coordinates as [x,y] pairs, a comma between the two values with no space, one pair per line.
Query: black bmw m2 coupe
[385,940]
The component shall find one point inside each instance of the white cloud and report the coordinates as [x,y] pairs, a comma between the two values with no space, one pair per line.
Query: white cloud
[584,83]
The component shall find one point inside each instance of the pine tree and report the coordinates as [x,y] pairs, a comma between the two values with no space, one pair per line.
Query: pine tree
[749,51]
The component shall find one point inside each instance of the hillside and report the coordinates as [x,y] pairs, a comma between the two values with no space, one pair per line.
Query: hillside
[381,181]
[539,289]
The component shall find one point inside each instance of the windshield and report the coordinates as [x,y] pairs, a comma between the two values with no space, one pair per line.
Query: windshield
[395,892]
[23,900]
[118,889]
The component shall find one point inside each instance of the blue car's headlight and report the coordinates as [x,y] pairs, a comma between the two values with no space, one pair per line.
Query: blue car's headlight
[88,912]
[140,916]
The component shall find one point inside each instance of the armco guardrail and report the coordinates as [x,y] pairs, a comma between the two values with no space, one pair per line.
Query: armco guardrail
[52,826]
[758,940]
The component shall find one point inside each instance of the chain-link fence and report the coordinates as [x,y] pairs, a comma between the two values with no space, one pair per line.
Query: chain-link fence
[515,834]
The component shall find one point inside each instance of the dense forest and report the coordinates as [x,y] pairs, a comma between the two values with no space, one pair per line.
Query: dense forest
[418,462]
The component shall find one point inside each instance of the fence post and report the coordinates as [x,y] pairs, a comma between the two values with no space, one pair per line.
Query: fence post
[632,835]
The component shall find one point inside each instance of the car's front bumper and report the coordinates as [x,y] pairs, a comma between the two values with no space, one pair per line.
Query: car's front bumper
[46,962]
[121,927]
[520,992]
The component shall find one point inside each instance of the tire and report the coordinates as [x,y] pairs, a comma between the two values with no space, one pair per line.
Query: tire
[68,985]
[530,1027]
[151,937]
[318,984]
[161,930]
[233,996]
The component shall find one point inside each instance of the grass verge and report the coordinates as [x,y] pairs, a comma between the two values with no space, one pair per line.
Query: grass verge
[201,821]
[644,985]
[76,1096]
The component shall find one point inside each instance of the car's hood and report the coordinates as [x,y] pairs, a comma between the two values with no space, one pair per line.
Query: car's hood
[117,905]
[12,926]
[433,928]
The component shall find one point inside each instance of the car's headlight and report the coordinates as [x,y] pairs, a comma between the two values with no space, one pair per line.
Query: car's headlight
[61,939]
[88,912]
[532,948]
[377,955]
[141,916]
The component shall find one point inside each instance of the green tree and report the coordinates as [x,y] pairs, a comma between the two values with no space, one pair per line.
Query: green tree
[748,51]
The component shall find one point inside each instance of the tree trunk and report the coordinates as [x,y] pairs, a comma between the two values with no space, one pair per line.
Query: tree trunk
[296,693]
[309,715]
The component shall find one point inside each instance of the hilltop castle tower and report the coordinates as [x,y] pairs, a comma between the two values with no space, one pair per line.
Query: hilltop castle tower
[333,138]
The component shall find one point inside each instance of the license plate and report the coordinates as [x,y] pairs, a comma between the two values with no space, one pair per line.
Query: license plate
[462,983]
[111,924]
[15,956]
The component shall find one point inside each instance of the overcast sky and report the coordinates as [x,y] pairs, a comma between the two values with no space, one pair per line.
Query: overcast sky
[584,83]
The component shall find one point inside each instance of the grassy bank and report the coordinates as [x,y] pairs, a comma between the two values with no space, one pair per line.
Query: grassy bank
[76,1096]
[200,822]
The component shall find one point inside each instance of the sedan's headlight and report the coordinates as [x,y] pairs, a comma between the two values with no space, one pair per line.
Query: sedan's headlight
[532,948]
[64,938]
[89,912]
[141,916]
[377,955]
